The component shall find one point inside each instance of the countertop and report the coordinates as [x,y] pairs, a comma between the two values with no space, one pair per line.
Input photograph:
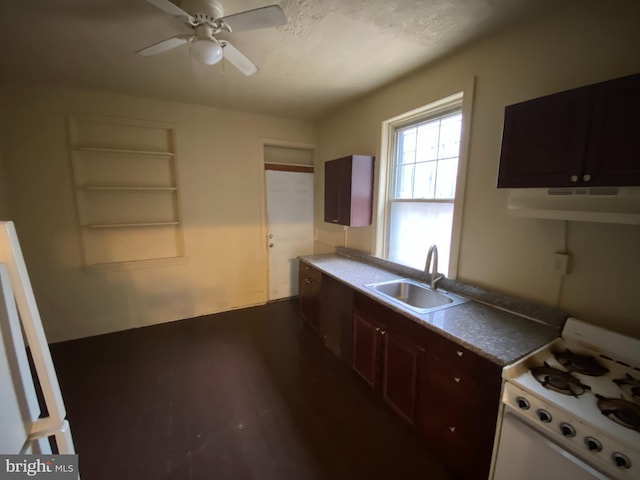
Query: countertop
[492,332]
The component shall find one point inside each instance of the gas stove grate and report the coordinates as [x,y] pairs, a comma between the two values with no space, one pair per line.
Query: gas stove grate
[559,380]
[584,364]
[621,411]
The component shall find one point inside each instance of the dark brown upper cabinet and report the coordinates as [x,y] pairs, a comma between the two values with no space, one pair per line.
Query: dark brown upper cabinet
[348,190]
[588,136]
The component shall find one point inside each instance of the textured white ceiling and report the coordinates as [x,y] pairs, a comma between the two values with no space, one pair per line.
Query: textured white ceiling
[330,52]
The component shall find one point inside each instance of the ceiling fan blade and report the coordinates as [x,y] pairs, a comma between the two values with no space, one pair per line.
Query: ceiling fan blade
[165,45]
[170,8]
[269,16]
[237,59]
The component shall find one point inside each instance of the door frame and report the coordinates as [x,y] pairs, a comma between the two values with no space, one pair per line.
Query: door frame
[264,230]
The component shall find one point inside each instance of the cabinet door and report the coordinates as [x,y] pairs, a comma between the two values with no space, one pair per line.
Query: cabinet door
[544,141]
[613,158]
[400,379]
[367,347]
[332,192]
[458,408]
[361,191]
[348,190]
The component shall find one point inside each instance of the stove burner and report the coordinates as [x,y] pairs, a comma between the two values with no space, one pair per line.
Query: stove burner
[629,385]
[620,411]
[558,380]
[583,364]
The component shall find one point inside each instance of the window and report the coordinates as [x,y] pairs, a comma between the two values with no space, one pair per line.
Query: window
[422,175]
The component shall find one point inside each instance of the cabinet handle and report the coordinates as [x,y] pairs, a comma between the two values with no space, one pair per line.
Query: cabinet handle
[382,332]
[453,429]
[573,178]
[456,379]
[307,281]
[377,329]
[586,177]
[459,353]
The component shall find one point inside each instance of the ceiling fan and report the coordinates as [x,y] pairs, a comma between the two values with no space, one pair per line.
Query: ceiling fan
[207,22]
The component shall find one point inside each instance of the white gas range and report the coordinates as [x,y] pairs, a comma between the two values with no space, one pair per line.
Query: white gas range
[571,410]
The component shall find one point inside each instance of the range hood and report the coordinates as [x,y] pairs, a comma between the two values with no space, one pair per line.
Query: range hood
[594,204]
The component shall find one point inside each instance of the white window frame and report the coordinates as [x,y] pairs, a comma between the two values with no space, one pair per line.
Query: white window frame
[463,100]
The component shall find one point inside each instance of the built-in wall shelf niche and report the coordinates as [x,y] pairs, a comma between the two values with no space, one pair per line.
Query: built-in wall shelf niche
[126,190]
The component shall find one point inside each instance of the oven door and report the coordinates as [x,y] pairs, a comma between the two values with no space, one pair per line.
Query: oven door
[526,454]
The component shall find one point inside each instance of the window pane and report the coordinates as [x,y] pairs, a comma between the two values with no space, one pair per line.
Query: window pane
[407,158]
[450,136]
[407,145]
[404,181]
[433,146]
[425,180]
[414,227]
[447,174]
[428,141]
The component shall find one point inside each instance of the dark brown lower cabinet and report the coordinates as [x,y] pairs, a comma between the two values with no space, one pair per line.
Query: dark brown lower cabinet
[458,408]
[401,366]
[388,362]
[367,348]
[449,393]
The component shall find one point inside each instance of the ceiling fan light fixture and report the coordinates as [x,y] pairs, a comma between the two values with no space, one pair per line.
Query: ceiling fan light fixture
[208,51]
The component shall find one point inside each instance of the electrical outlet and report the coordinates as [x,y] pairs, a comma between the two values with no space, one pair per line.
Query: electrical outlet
[560,263]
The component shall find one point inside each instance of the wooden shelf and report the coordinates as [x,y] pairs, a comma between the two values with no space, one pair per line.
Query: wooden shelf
[127,196]
[124,151]
[135,264]
[130,225]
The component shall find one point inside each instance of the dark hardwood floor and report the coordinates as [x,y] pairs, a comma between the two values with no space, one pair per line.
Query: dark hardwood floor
[247,394]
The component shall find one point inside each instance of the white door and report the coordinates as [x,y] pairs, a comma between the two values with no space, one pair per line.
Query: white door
[289,228]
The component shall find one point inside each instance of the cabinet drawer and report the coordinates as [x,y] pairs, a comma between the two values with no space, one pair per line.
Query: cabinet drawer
[464,448]
[459,361]
[461,410]
[459,381]
[310,272]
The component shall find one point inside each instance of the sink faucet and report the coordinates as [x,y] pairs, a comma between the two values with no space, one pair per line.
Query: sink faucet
[435,276]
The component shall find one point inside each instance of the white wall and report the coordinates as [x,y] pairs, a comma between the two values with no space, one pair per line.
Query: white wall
[220,166]
[581,43]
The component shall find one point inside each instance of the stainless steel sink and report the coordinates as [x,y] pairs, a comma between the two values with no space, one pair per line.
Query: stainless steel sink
[415,295]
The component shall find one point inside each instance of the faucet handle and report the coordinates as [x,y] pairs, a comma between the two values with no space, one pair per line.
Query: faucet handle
[435,278]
